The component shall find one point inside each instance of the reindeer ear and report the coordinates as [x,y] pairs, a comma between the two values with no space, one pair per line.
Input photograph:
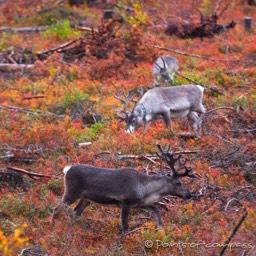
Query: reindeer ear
[168,175]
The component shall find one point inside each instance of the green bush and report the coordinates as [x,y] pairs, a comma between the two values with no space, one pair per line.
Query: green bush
[92,134]
[72,100]
[61,30]
[53,16]
[139,17]
[19,207]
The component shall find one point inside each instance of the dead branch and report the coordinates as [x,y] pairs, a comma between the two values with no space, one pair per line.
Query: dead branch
[9,157]
[223,139]
[17,109]
[230,201]
[189,79]
[33,97]
[150,157]
[131,231]
[198,56]
[187,54]
[29,173]
[120,156]
[24,30]
[65,63]
[102,153]
[92,43]
[216,7]
[9,57]
[187,135]
[233,233]
[27,150]
[224,9]
[229,159]
[218,108]
[208,207]
[195,82]
[202,118]
[58,48]
[88,29]
[28,111]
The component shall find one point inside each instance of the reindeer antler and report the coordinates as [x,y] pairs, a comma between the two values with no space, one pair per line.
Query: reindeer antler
[161,69]
[126,98]
[171,160]
[163,63]
[140,92]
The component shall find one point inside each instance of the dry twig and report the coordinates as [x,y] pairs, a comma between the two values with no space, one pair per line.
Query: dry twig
[29,173]
[33,97]
[151,157]
[195,82]
[199,56]
[233,233]
[28,111]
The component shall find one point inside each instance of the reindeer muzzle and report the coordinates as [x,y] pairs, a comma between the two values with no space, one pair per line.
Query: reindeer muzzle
[130,129]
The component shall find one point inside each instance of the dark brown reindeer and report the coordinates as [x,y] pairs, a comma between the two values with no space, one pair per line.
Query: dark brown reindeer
[125,188]
[168,103]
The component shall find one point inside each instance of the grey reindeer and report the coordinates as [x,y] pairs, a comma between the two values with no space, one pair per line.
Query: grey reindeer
[164,69]
[124,188]
[165,103]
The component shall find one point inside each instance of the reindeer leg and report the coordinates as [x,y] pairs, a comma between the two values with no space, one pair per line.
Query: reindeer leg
[66,200]
[167,119]
[56,212]
[201,110]
[146,125]
[156,211]
[83,203]
[193,117]
[125,215]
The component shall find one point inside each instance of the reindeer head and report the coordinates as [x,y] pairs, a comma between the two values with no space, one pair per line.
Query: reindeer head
[164,68]
[174,185]
[163,71]
[134,118]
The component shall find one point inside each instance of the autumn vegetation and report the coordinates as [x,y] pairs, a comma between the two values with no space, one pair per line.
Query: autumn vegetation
[57,108]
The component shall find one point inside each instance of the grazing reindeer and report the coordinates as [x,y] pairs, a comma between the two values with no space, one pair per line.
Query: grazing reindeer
[167,103]
[125,188]
[164,69]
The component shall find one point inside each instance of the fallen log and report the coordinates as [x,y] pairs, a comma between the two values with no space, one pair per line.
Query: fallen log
[24,30]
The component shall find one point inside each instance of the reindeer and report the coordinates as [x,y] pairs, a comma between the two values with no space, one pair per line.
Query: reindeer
[164,69]
[125,188]
[166,103]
